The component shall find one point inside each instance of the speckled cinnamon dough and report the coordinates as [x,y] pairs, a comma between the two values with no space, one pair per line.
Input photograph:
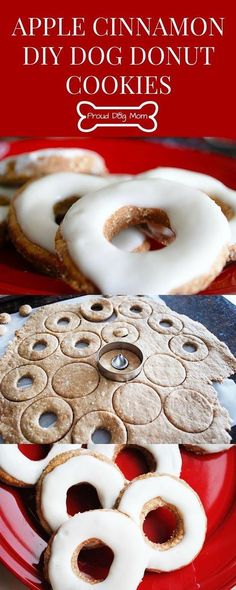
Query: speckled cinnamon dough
[172,400]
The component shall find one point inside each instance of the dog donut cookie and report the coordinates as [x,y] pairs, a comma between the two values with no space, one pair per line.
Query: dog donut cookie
[149,492]
[160,458]
[114,529]
[73,468]
[35,210]
[18,470]
[91,263]
[51,371]
[20,168]
[216,190]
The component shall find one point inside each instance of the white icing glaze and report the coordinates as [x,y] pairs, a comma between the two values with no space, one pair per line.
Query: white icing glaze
[34,207]
[214,448]
[191,255]
[203,182]
[83,468]
[23,469]
[22,161]
[167,457]
[115,530]
[176,492]
[35,203]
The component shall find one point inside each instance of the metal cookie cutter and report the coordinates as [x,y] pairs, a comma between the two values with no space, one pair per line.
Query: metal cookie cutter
[119,365]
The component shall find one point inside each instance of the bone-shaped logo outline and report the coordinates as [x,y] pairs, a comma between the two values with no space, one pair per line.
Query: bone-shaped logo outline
[117,108]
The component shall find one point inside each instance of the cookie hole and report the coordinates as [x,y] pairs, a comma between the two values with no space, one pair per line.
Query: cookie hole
[97,307]
[166,324]
[133,462]
[93,562]
[190,347]
[39,345]
[63,321]
[34,452]
[101,436]
[60,209]
[82,497]
[161,525]
[136,309]
[159,234]
[47,420]
[81,344]
[25,381]
[153,223]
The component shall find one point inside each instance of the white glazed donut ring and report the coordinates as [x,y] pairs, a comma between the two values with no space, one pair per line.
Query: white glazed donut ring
[22,471]
[146,493]
[32,221]
[163,458]
[22,167]
[187,265]
[75,468]
[224,196]
[115,530]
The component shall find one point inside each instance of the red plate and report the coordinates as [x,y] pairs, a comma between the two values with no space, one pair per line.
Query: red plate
[22,540]
[134,156]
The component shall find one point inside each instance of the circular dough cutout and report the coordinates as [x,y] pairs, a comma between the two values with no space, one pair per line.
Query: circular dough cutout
[189,347]
[165,323]
[120,331]
[135,308]
[23,383]
[99,420]
[97,310]
[136,403]
[75,380]
[30,420]
[164,370]
[62,321]
[38,346]
[189,410]
[80,344]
